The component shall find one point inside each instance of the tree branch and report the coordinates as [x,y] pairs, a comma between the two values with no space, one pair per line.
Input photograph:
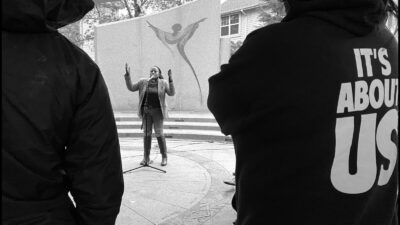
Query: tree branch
[127,8]
[143,2]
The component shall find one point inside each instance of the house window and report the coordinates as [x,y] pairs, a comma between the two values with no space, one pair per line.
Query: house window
[230,25]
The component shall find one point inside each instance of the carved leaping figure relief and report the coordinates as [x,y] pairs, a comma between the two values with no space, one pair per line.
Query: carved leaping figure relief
[180,38]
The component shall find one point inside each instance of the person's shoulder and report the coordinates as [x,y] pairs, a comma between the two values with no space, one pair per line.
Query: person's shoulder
[387,38]
[271,34]
[265,40]
[80,57]
[273,39]
[85,70]
[270,29]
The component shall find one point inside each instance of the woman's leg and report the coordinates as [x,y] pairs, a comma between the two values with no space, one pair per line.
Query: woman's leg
[147,132]
[159,131]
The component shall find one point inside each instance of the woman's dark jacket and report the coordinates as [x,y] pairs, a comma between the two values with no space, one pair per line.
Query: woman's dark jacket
[58,129]
[312,107]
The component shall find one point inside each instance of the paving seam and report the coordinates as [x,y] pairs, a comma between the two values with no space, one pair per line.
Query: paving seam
[138,214]
[213,202]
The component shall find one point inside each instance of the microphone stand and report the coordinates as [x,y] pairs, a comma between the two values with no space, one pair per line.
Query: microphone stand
[146,114]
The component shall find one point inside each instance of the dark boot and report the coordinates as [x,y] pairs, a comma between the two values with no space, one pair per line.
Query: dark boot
[147,148]
[163,150]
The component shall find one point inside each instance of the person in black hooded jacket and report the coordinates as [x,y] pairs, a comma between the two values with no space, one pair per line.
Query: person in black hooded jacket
[312,107]
[58,129]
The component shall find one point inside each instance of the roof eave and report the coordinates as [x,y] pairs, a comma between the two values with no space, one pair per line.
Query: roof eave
[243,9]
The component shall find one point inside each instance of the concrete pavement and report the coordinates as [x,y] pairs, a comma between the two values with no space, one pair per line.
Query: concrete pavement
[192,191]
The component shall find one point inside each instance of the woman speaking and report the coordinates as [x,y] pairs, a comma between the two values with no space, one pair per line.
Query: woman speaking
[152,108]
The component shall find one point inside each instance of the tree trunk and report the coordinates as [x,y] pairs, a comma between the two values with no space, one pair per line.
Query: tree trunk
[127,8]
[137,8]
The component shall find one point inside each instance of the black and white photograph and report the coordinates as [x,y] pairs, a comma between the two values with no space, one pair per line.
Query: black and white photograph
[200,112]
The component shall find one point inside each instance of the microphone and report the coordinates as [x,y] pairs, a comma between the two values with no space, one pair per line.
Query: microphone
[152,77]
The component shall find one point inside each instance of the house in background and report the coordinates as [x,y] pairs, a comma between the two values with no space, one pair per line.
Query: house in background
[239,18]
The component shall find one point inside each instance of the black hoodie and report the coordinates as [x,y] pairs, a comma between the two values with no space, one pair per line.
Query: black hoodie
[58,128]
[359,17]
[312,107]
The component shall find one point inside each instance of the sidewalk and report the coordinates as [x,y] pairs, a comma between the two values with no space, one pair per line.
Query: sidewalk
[192,191]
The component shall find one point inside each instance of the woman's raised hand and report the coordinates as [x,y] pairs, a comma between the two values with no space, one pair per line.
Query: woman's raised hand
[127,70]
[169,75]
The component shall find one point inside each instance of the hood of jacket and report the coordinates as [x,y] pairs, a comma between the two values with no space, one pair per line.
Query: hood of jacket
[359,17]
[34,16]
